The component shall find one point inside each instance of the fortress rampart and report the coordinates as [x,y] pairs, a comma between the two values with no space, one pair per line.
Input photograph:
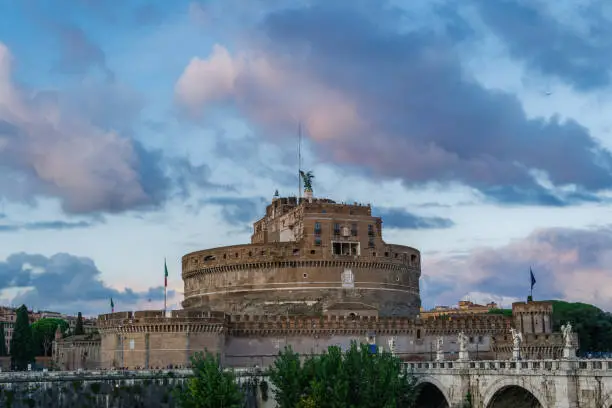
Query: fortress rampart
[272,278]
[224,258]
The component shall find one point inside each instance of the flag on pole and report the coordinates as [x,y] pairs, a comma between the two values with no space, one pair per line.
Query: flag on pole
[165,274]
[112,306]
[165,286]
[533,279]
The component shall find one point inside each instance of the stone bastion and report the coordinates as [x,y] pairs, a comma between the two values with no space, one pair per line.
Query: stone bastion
[150,339]
[293,278]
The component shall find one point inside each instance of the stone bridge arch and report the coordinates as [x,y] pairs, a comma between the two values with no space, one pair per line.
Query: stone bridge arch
[607,401]
[513,381]
[435,382]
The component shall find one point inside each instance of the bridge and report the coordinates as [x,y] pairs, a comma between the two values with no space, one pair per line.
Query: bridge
[571,383]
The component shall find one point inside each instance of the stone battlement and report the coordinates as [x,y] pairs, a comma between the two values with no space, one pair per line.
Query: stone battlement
[249,255]
[275,325]
[532,307]
[155,321]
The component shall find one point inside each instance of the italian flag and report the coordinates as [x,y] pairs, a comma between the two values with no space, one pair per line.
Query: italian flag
[165,274]
[112,306]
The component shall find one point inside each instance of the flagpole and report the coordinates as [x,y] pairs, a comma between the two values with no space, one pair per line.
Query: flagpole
[165,286]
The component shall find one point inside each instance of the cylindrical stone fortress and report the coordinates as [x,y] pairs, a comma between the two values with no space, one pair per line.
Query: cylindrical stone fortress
[307,258]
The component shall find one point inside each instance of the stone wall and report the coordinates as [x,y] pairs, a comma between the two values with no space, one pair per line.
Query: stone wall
[107,389]
[258,279]
[148,339]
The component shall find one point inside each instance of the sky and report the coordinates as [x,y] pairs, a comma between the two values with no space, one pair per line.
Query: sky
[137,131]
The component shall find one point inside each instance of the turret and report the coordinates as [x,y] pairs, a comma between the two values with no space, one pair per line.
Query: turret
[533,317]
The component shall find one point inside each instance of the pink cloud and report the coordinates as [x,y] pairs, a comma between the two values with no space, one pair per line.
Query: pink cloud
[570,264]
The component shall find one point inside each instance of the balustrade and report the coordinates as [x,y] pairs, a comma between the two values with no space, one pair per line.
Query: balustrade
[522,365]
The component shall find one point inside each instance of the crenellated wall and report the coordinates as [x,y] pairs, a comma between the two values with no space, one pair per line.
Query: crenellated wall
[148,339]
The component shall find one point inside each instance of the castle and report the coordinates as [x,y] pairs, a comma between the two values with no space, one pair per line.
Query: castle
[317,273]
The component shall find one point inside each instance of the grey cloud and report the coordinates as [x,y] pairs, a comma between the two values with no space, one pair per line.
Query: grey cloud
[239,211]
[402,219]
[65,283]
[418,115]
[46,225]
[79,53]
[431,122]
[91,161]
[580,54]
[571,264]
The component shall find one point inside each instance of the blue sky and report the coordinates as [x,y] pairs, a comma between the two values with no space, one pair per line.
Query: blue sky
[144,130]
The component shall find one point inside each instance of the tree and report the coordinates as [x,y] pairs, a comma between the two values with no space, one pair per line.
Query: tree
[22,351]
[43,334]
[358,378]
[3,350]
[593,325]
[211,386]
[78,329]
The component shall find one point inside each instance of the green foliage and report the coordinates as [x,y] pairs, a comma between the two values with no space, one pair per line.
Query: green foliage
[22,350]
[467,402]
[593,325]
[263,387]
[503,312]
[43,334]
[211,386]
[357,378]
[3,349]
[78,329]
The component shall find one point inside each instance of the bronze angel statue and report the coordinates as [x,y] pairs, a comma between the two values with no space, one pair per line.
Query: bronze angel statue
[307,179]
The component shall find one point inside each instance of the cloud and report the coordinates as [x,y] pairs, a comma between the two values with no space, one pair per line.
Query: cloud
[377,92]
[239,211]
[55,146]
[45,225]
[402,219]
[65,283]
[580,31]
[570,264]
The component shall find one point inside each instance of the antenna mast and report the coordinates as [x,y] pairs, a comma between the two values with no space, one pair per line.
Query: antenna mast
[299,161]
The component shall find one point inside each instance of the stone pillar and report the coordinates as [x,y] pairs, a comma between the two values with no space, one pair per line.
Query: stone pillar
[516,353]
[187,349]
[464,355]
[569,353]
[147,351]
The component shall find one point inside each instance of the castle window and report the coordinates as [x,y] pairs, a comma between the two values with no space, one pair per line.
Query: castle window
[396,255]
[317,228]
[471,339]
[312,252]
[250,253]
[373,253]
[345,248]
[413,258]
[209,258]
[370,230]
[418,333]
[354,230]
[336,229]
[224,256]
[318,241]
[386,254]
[236,254]
[305,275]
[296,252]
[263,252]
[371,243]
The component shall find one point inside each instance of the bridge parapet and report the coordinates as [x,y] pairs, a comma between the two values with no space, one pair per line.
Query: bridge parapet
[581,367]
